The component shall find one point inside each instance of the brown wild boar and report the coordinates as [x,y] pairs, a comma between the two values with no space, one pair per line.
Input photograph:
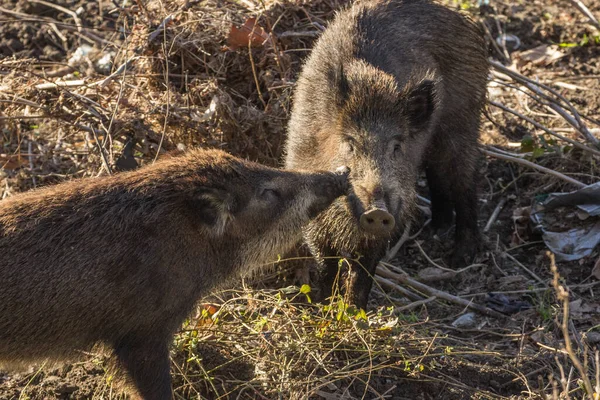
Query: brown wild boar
[121,260]
[391,87]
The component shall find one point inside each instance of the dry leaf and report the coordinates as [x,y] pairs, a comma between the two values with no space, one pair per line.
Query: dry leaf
[581,310]
[248,34]
[541,55]
[10,162]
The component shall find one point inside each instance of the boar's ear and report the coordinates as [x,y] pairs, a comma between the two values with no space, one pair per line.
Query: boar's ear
[339,81]
[420,104]
[214,207]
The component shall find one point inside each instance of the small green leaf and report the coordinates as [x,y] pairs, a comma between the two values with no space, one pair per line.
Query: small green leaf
[538,152]
[527,144]
[305,289]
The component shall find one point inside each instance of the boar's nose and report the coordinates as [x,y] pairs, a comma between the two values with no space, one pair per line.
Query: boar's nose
[377,221]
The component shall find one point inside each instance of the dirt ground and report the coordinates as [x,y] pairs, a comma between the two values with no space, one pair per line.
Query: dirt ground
[145,78]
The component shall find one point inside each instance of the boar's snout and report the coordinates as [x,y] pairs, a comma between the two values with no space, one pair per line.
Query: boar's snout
[377,221]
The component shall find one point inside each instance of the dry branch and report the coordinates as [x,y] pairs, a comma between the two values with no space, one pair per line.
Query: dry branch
[575,143]
[494,215]
[383,271]
[534,166]
[586,11]
[54,85]
[536,87]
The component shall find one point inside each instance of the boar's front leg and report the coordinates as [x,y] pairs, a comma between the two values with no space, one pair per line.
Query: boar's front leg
[146,360]
[354,276]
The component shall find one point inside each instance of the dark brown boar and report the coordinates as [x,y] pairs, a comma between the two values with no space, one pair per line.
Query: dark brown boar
[391,87]
[121,260]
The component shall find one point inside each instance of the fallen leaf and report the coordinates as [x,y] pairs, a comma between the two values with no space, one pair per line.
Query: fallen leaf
[541,55]
[581,310]
[10,162]
[248,34]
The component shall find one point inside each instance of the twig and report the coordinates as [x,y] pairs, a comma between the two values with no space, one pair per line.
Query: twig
[160,28]
[563,295]
[586,11]
[415,304]
[394,250]
[429,291]
[299,34]
[31,166]
[102,154]
[59,84]
[168,93]
[494,215]
[534,166]
[59,8]
[254,75]
[393,286]
[452,271]
[118,72]
[424,200]
[575,143]
[530,272]
[535,87]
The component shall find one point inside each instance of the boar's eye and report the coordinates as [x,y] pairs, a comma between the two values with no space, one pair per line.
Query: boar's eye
[348,145]
[269,194]
[397,148]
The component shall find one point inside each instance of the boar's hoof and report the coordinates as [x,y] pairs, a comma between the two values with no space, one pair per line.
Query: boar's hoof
[377,222]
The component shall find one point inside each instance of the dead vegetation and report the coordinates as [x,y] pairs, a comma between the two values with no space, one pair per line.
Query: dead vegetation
[89,88]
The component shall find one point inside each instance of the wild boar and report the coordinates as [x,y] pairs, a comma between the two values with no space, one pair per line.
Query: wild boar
[121,260]
[390,88]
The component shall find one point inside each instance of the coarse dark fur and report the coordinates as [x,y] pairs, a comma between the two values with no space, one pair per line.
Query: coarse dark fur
[121,260]
[390,88]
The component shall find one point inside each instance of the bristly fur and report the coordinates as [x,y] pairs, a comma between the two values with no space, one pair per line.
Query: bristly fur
[392,86]
[121,260]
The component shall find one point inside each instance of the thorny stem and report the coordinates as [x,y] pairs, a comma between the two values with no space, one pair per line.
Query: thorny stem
[563,295]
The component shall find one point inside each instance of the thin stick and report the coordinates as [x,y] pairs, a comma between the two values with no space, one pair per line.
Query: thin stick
[415,304]
[102,154]
[31,166]
[299,34]
[530,272]
[534,166]
[575,143]
[160,28]
[535,87]
[59,8]
[394,250]
[393,286]
[118,72]
[452,271]
[60,84]
[563,295]
[495,214]
[429,291]
[586,11]
[254,75]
